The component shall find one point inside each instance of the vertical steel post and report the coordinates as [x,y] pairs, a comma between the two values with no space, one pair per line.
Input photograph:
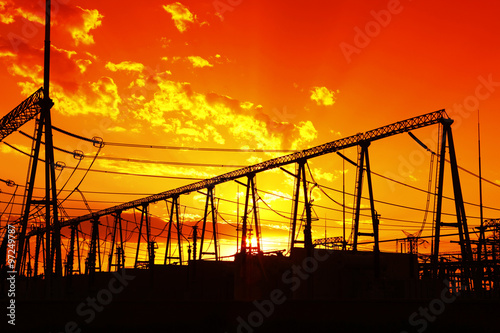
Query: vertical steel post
[214,225]
[439,204]
[26,259]
[296,203]
[169,234]
[78,249]
[375,220]
[344,242]
[121,252]
[113,239]
[29,200]
[245,218]
[481,225]
[179,231]
[71,253]
[195,240]
[91,262]
[463,231]
[359,190]
[255,214]
[209,195]
[308,227]
[150,247]
[37,251]
[139,239]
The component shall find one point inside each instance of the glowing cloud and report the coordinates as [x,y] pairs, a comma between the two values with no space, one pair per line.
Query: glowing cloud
[180,15]
[153,169]
[323,96]
[5,54]
[199,62]
[100,97]
[307,133]
[83,64]
[30,16]
[92,19]
[6,18]
[125,66]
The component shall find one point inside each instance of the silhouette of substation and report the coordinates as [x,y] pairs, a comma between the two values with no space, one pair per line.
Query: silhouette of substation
[314,282]
[77,274]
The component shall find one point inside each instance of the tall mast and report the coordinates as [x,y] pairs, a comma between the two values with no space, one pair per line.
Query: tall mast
[46,76]
[481,228]
[50,174]
[53,244]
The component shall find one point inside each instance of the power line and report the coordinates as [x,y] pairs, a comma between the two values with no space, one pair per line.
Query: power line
[209,165]
[80,155]
[111,172]
[136,145]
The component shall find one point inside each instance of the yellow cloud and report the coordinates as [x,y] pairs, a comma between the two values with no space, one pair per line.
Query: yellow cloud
[67,53]
[117,129]
[199,62]
[100,97]
[254,160]
[319,175]
[4,149]
[7,54]
[34,73]
[175,108]
[83,64]
[246,105]
[5,18]
[216,136]
[153,169]
[30,16]
[323,96]
[180,15]
[307,133]
[125,66]
[92,19]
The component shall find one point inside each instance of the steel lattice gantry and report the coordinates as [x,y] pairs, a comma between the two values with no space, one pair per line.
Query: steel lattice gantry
[362,140]
[327,148]
[21,114]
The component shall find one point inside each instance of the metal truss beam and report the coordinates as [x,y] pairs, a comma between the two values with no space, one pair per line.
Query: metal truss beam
[21,114]
[330,147]
[328,240]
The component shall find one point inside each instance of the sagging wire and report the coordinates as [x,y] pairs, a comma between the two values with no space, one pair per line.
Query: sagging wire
[85,174]
[110,172]
[133,145]
[10,203]
[84,200]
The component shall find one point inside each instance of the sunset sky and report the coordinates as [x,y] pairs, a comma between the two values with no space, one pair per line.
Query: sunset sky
[273,75]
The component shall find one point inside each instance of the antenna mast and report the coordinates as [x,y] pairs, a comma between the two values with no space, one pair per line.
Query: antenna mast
[44,126]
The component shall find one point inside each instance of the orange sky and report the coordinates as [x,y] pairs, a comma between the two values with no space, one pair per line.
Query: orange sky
[257,74]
